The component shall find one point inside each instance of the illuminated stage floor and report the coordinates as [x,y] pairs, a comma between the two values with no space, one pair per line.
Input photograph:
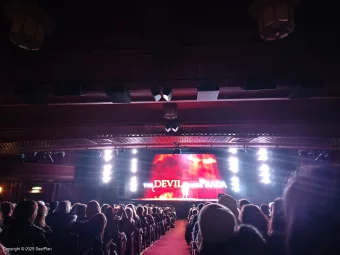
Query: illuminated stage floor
[177,199]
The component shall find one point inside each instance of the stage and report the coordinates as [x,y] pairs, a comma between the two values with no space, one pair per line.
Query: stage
[182,205]
[177,199]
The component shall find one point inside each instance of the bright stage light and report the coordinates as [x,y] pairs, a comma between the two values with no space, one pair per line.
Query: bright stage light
[235,184]
[265,180]
[232,150]
[263,154]
[107,155]
[134,165]
[107,173]
[107,168]
[264,174]
[106,179]
[233,164]
[134,151]
[264,168]
[133,184]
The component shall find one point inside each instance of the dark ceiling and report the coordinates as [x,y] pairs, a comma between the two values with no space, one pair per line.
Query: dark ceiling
[180,44]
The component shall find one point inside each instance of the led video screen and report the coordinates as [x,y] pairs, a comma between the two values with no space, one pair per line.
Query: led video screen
[184,176]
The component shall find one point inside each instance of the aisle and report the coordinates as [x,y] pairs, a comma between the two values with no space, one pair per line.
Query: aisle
[172,243]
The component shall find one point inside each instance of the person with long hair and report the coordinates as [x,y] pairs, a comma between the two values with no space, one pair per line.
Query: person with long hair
[90,234]
[148,215]
[277,228]
[92,208]
[277,223]
[252,215]
[73,208]
[22,232]
[312,210]
[134,213]
[142,221]
[129,223]
[40,219]
[247,240]
[6,210]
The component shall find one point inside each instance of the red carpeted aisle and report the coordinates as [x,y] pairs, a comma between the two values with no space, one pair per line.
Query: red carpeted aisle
[172,243]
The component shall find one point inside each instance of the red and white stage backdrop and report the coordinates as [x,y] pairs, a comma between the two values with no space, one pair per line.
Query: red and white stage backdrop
[184,176]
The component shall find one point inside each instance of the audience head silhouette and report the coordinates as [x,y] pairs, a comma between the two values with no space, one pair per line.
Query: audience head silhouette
[92,208]
[26,211]
[252,215]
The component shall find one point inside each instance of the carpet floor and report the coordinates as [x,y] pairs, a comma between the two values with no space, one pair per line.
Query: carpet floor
[172,243]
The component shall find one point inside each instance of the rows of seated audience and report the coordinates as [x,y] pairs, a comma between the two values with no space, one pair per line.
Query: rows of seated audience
[59,228]
[304,221]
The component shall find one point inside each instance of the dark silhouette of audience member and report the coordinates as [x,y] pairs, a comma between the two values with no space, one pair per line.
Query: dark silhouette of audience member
[277,223]
[231,204]
[104,207]
[265,209]
[141,222]
[40,219]
[148,216]
[80,211]
[95,233]
[242,202]
[90,234]
[92,208]
[73,208]
[22,232]
[53,206]
[252,215]
[277,229]
[113,225]
[6,209]
[134,214]
[156,215]
[62,218]
[129,223]
[195,227]
[216,228]
[312,209]
[247,240]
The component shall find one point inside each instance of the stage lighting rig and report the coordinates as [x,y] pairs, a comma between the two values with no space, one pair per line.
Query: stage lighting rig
[156,93]
[170,111]
[167,94]
[174,127]
[171,126]
[167,128]
[321,156]
[61,153]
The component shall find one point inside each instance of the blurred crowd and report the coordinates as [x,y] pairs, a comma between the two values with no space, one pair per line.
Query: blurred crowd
[62,228]
[305,220]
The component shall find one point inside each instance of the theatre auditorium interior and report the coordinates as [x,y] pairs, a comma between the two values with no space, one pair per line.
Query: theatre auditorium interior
[169,127]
